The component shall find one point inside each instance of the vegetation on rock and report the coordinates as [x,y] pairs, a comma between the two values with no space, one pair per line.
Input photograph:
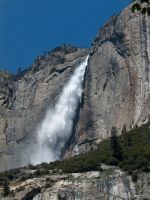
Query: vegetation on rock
[130,151]
[143,6]
[6,189]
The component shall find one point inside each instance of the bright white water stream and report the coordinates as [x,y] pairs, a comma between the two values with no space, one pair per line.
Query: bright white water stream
[56,128]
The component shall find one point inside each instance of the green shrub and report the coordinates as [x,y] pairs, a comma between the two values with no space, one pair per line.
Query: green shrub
[21,188]
[134,177]
[6,189]
[130,151]
[31,167]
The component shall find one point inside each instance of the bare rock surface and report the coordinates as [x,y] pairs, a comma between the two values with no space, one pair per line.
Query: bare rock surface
[116,93]
[24,99]
[117,86]
[109,184]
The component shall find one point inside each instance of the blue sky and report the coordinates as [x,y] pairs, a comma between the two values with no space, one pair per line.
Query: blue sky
[30,27]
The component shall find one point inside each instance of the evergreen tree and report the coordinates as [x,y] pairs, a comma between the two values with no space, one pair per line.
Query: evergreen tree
[124,131]
[115,146]
[143,6]
[126,137]
[6,189]
[19,70]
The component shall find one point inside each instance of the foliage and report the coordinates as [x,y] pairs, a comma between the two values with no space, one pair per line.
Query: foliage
[130,151]
[61,198]
[143,6]
[134,177]
[115,146]
[40,172]
[21,188]
[6,189]
[9,175]
[31,167]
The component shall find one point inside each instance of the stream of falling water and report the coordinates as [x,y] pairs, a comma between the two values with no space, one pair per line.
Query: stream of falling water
[56,128]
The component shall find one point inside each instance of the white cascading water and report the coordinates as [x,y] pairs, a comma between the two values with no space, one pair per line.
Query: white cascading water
[56,127]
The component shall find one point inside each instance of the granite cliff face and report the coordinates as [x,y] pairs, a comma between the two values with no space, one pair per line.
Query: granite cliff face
[111,183]
[117,86]
[24,99]
[116,93]
[116,89]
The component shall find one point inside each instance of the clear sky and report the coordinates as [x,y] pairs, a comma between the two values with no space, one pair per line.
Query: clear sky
[30,27]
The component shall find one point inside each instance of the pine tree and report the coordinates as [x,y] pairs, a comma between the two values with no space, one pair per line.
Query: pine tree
[115,146]
[19,70]
[6,189]
[143,6]
[126,137]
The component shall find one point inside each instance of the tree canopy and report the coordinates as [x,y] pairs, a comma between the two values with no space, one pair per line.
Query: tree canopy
[142,5]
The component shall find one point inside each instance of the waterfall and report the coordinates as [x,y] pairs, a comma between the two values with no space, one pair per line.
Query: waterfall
[56,128]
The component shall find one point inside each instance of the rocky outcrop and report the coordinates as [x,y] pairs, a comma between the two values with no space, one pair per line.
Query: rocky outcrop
[6,89]
[117,87]
[25,97]
[111,183]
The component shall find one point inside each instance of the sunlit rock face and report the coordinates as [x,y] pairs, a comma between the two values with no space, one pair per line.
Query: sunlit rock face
[25,99]
[117,87]
[116,90]
[109,184]
[56,128]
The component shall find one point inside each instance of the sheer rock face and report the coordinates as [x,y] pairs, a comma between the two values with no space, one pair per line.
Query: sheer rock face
[117,87]
[24,99]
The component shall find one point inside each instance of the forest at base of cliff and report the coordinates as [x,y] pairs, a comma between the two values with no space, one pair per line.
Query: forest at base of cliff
[131,154]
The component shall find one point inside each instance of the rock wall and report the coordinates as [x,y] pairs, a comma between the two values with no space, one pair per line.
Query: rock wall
[25,97]
[111,183]
[117,87]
